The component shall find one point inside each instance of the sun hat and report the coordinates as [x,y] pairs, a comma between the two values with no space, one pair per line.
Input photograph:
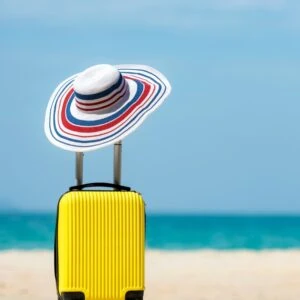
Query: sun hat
[102,105]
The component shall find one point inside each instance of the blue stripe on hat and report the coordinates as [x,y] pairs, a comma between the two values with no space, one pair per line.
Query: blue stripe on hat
[101,94]
[79,122]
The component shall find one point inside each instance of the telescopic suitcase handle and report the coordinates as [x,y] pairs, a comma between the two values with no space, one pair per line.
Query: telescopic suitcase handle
[100,184]
[117,165]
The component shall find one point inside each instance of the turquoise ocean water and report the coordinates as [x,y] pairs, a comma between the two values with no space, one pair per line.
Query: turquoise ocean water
[168,232]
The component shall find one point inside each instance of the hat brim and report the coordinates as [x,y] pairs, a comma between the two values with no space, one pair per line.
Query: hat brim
[68,128]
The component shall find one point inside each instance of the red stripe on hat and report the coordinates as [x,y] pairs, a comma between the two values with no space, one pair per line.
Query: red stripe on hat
[66,98]
[102,107]
[92,129]
[101,101]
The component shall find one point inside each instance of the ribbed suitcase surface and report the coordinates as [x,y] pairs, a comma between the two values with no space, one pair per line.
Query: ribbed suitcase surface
[100,243]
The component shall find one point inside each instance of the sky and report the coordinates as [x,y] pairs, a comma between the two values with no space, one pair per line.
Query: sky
[227,140]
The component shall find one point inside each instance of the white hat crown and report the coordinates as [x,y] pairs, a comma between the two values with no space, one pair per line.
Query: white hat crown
[98,88]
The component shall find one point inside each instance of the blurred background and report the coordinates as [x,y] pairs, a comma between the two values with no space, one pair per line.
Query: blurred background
[222,153]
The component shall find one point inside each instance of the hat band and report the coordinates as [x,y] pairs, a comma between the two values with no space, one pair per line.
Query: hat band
[101,94]
[107,98]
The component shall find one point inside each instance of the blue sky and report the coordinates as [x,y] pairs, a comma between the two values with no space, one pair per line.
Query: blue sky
[226,140]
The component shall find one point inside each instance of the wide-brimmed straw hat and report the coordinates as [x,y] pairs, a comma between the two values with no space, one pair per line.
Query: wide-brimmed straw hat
[102,105]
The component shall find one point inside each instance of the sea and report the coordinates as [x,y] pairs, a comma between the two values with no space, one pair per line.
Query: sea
[32,231]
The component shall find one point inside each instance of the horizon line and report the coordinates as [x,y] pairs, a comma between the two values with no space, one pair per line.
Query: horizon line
[175,213]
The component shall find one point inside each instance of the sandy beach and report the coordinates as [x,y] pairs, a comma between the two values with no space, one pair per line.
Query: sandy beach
[205,275]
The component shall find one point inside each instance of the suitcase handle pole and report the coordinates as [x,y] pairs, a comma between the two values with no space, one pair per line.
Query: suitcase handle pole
[117,162]
[79,168]
[117,165]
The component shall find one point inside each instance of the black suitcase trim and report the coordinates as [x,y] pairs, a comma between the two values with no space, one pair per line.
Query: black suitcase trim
[72,296]
[134,295]
[56,247]
[130,295]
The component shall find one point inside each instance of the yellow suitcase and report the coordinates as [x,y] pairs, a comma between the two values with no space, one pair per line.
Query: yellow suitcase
[100,240]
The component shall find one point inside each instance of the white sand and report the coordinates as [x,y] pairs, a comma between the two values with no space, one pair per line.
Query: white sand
[195,275]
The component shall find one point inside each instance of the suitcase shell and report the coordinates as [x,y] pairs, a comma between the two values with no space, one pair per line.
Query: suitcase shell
[100,245]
